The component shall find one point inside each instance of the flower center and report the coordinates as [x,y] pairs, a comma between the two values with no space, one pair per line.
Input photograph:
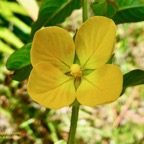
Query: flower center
[76,70]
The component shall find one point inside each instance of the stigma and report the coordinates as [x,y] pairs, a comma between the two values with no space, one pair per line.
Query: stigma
[76,70]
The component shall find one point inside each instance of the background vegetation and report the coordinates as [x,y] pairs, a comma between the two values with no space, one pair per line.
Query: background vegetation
[121,122]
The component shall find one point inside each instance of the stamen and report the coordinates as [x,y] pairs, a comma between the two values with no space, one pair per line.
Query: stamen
[76,70]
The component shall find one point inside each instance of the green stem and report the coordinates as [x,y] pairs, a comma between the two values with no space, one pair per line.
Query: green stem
[85,10]
[74,118]
[76,105]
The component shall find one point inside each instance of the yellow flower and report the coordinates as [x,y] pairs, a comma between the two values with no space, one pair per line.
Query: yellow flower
[65,71]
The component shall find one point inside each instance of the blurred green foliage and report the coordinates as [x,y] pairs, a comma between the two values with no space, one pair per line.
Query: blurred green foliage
[36,124]
[14,26]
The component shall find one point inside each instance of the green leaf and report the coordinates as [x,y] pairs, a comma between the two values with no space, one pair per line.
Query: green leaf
[19,62]
[104,8]
[133,78]
[121,11]
[22,74]
[19,59]
[53,12]
[129,11]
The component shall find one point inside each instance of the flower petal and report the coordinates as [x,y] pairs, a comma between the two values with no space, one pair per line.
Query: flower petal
[53,45]
[95,41]
[103,85]
[48,86]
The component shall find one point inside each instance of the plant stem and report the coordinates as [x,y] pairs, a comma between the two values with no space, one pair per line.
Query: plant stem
[85,10]
[76,105]
[74,118]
